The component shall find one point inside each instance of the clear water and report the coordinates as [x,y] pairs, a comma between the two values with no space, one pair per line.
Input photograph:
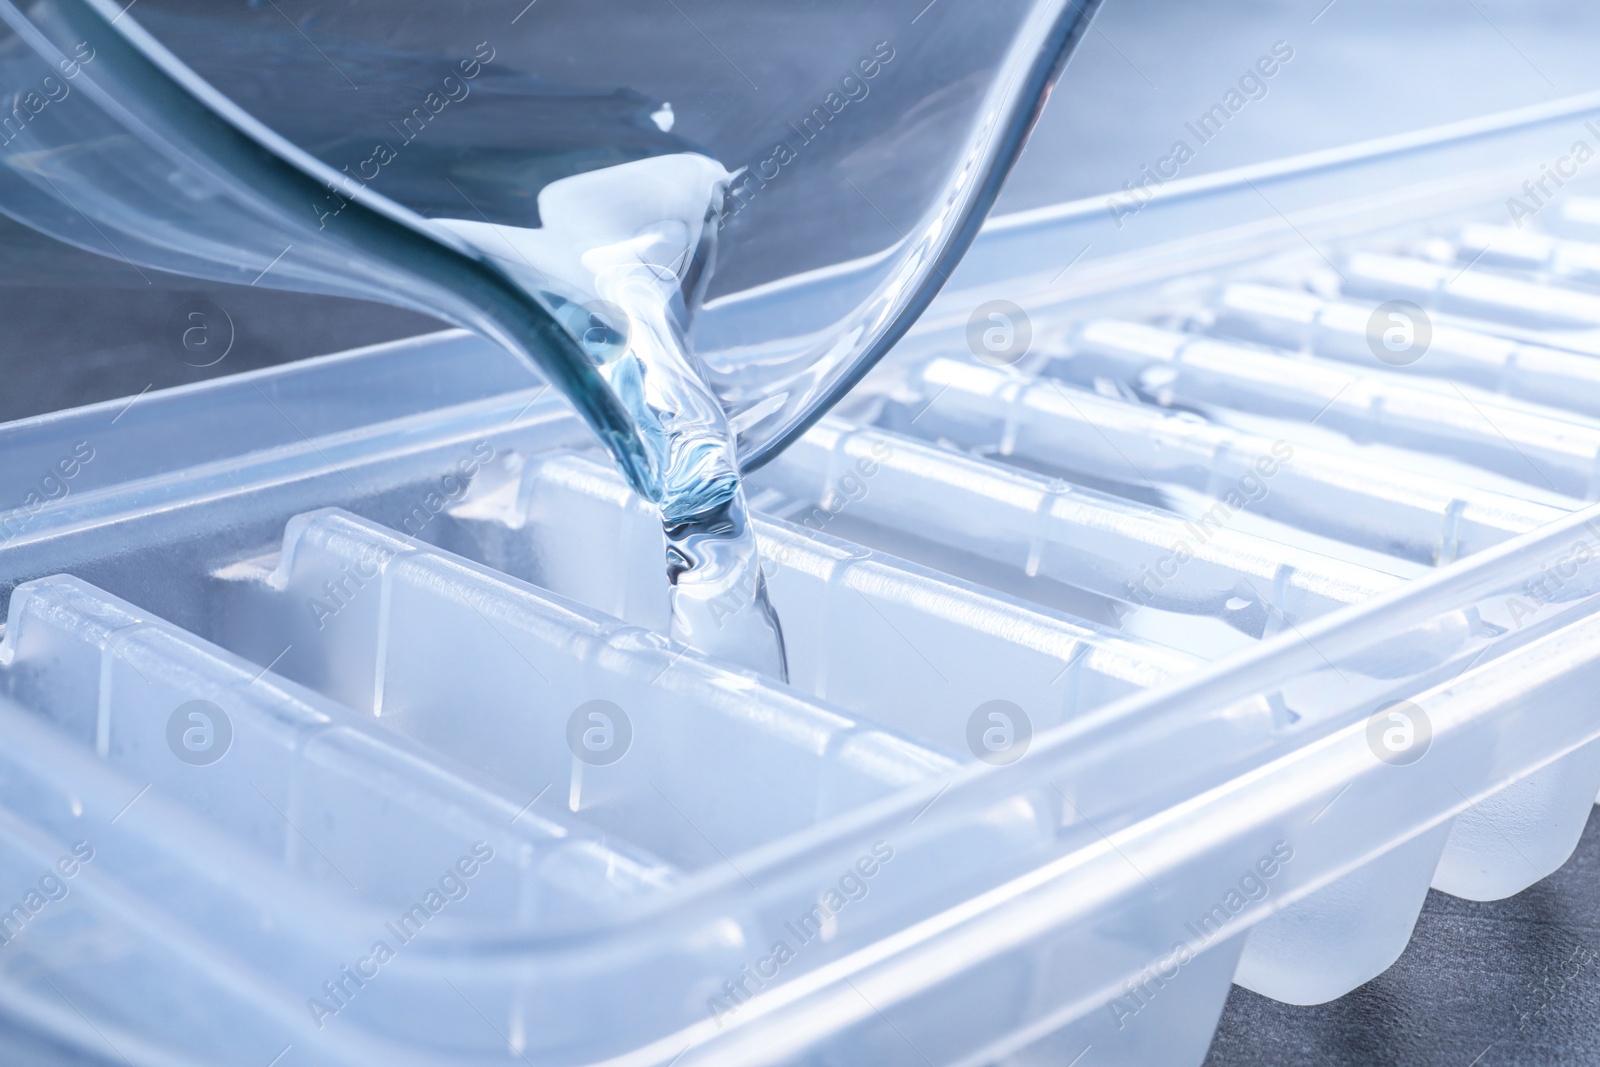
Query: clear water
[624,254]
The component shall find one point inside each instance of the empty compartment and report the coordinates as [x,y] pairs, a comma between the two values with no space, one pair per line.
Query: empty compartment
[1477,292]
[1142,568]
[1379,506]
[344,804]
[1353,333]
[688,758]
[1530,444]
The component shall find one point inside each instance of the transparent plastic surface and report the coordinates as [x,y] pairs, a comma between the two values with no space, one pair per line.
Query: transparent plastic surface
[1119,673]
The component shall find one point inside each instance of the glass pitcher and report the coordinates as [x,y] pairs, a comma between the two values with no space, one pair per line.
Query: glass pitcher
[432,156]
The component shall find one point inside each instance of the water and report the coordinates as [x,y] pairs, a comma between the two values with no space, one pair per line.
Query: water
[624,254]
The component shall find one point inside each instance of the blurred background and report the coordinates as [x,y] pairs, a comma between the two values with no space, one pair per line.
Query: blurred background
[1361,69]
[83,328]
[1513,982]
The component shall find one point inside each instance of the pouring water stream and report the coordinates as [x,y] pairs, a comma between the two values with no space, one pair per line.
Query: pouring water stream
[629,249]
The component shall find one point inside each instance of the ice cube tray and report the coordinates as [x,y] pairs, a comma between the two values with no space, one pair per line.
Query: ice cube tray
[1187,643]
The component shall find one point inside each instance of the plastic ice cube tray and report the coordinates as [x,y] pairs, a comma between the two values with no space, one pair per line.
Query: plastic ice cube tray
[1186,642]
